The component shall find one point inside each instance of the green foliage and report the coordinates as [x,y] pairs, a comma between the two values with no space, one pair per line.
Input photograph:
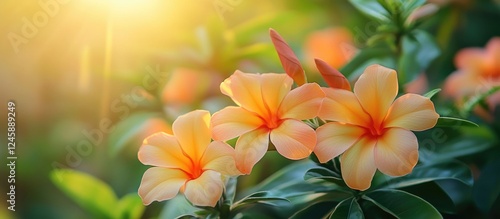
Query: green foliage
[95,196]
[401,204]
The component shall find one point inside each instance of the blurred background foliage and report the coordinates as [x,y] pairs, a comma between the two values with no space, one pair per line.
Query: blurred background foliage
[99,76]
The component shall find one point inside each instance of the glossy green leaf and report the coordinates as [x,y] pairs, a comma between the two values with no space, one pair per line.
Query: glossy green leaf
[371,8]
[457,148]
[314,210]
[88,192]
[453,170]
[128,129]
[324,174]
[230,190]
[487,187]
[402,204]
[130,206]
[264,197]
[418,50]
[431,93]
[177,207]
[348,208]
[454,122]
[435,195]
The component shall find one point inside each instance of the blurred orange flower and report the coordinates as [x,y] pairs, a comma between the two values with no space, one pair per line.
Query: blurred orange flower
[371,129]
[187,86]
[478,70]
[186,161]
[334,45]
[267,109]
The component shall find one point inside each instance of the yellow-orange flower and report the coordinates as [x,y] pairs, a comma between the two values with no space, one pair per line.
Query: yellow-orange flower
[186,161]
[478,70]
[267,110]
[372,130]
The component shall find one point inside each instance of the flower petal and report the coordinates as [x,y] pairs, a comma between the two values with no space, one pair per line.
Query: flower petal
[376,89]
[162,150]
[233,121]
[245,90]
[357,164]
[461,84]
[220,157]
[205,190]
[396,152]
[274,89]
[250,148]
[192,131]
[413,112]
[342,106]
[159,184]
[303,102]
[294,139]
[470,58]
[334,138]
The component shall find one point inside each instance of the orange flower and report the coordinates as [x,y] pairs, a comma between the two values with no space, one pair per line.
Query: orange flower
[186,161]
[334,45]
[478,70]
[267,110]
[371,129]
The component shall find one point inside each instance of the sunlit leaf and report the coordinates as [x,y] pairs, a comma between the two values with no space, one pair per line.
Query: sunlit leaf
[454,122]
[431,93]
[348,208]
[402,204]
[372,8]
[130,206]
[127,130]
[486,190]
[288,59]
[332,76]
[264,197]
[88,192]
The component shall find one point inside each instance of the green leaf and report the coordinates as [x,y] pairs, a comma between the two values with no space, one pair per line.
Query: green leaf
[418,50]
[475,100]
[435,195]
[461,147]
[324,174]
[264,197]
[127,130]
[130,206]
[453,170]
[230,190]
[454,122]
[371,8]
[487,187]
[314,210]
[410,5]
[88,192]
[431,93]
[402,204]
[178,207]
[348,208]
[366,57]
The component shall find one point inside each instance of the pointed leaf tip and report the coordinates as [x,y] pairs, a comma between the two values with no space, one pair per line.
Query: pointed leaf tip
[332,76]
[288,59]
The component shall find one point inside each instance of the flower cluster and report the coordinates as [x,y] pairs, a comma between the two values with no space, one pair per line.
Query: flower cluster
[369,127]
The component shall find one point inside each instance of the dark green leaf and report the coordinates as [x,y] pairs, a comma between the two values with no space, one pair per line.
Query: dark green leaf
[371,8]
[418,50]
[130,206]
[487,188]
[264,197]
[315,210]
[128,129]
[454,122]
[458,148]
[402,204]
[434,194]
[324,174]
[90,193]
[431,93]
[230,190]
[453,170]
[348,208]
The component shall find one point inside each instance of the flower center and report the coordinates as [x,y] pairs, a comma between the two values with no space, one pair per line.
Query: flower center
[375,130]
[273,122]
[195,171]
